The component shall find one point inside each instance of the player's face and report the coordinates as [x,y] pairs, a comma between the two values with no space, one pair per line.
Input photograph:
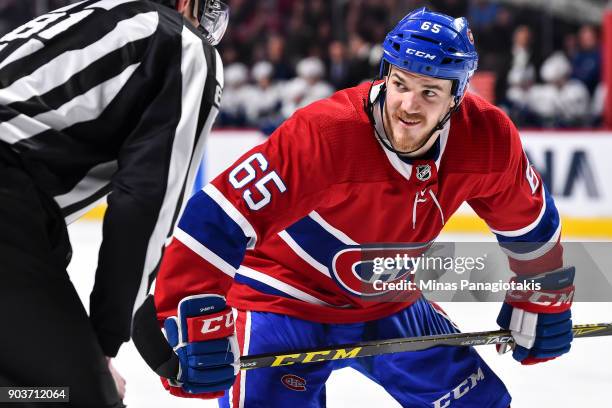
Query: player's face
[413,106]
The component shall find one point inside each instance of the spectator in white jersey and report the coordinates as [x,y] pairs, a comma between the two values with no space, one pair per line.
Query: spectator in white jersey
[98,98]
[263,99]
[308,87]
[560,101]
[232,108]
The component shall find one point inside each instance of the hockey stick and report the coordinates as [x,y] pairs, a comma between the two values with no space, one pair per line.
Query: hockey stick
[377,347]
[157,353]
[151,343]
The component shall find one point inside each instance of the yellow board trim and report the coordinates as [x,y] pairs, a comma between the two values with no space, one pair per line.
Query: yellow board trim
[572,226]
[96,213]
[466,224]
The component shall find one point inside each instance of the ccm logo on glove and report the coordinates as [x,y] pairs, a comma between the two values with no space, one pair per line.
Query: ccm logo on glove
[542,298]
[213,326]
[555,298]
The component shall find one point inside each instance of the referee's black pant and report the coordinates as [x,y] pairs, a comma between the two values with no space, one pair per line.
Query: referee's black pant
[46,338]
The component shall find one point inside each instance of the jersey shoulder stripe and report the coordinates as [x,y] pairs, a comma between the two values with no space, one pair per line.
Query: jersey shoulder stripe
[208,223]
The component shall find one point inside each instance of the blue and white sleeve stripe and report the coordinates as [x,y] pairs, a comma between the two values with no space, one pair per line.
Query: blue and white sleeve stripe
[216,227]
[538,237]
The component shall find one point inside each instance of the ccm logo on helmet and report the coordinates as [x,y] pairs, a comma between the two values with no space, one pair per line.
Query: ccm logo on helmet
[460,390]
[420,54]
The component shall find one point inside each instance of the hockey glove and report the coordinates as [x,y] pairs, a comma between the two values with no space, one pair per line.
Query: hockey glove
[540,319]
[202,336]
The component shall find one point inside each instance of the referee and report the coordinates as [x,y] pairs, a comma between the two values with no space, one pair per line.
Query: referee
[101,98]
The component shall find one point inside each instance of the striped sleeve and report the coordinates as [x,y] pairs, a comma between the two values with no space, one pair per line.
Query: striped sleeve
[522,214]
[63,76]
[156,167]
[112,97]
[56,74]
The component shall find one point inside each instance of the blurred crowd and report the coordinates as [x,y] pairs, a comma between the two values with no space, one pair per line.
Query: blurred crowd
[281,55]
[563,90]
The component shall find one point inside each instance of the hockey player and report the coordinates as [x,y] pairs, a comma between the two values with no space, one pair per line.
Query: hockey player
[101,97]
[387,162]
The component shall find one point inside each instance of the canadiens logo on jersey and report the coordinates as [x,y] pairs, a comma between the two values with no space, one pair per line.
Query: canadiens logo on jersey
[293,382]
[361,270]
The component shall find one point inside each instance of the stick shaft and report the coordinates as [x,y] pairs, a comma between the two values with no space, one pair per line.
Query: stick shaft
[374,348]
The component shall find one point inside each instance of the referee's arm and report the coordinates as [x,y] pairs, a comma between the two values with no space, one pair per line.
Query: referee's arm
[156,167]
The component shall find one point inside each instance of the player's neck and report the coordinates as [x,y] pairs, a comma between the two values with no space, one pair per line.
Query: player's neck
[423,150]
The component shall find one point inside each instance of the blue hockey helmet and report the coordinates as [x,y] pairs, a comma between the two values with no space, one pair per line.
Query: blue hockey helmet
[432,44]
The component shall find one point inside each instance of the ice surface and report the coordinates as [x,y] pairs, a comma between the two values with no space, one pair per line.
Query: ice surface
[580,379]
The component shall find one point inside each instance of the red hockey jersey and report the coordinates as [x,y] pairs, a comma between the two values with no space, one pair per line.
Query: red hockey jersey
[269,231]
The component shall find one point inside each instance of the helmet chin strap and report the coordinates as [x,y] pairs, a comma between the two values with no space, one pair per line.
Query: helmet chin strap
[369,108]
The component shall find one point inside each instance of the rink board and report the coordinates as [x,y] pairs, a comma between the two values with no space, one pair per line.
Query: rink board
[575,166]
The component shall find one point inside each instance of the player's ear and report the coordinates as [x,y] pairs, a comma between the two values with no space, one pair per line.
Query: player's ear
[181,5]
[387,75]
[454,101]
[186,8]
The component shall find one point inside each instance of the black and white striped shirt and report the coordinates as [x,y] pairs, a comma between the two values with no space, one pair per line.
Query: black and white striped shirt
[112,97]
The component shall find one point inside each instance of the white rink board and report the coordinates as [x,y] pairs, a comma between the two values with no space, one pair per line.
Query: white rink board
[587,182]
[580,379]
[581,166]
[224,147]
